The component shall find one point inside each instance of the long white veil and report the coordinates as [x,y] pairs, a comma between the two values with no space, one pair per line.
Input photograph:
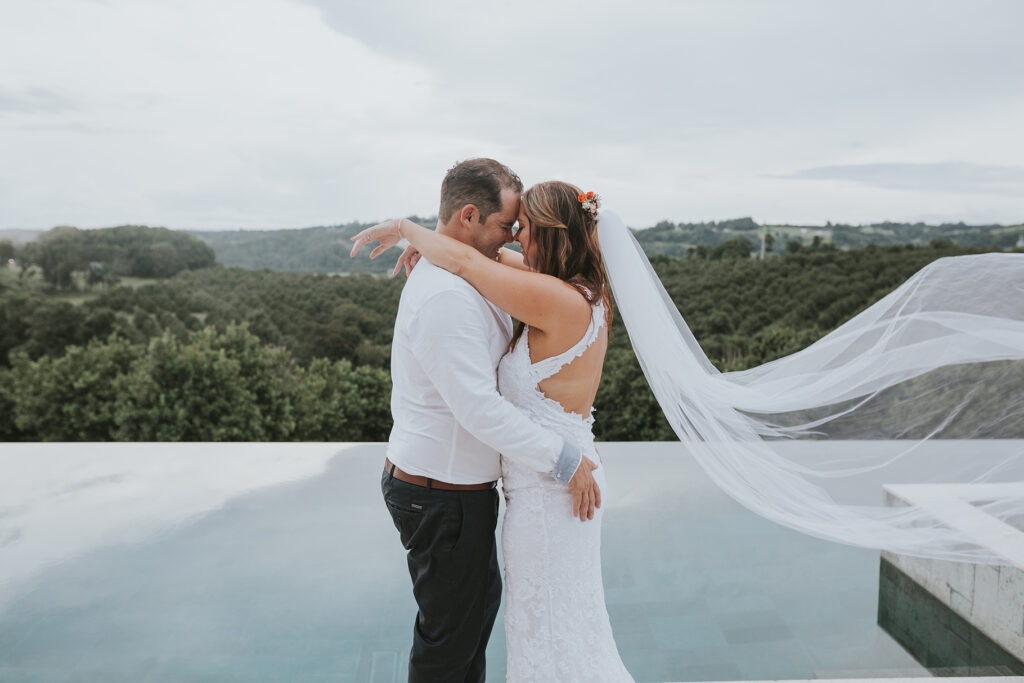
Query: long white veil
[924,390]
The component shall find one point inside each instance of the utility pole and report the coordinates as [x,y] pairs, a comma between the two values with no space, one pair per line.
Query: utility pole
[764,234]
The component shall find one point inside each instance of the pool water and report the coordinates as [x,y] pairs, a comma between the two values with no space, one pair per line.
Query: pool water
[301,577]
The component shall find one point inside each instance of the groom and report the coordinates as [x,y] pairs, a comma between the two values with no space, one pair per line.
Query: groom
[442,461]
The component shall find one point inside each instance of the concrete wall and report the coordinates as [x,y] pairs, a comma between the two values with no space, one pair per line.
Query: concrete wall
[943,641]
[989,597]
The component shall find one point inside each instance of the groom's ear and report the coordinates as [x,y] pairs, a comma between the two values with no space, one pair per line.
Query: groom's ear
[467,214]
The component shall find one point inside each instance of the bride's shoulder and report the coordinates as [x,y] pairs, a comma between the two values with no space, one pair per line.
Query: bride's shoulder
[573,311]
[594,297]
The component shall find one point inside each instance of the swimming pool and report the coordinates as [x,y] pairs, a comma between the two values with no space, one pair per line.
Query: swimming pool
[217,562]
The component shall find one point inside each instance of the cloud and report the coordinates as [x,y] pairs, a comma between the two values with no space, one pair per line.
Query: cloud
[34,100]
[9,536]
[289,113]
[940,177]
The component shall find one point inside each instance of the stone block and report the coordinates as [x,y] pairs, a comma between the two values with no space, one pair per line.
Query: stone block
[1004,622]
[1011,586]
[960,604]
[986,588]
[934,576]
[960,578]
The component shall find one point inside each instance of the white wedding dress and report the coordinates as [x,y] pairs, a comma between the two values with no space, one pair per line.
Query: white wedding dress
[556,623]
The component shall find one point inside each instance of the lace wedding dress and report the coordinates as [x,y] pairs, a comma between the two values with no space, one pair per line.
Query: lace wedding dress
[556,623]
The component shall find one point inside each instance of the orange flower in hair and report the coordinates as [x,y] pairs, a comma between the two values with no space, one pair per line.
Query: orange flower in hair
[589,202]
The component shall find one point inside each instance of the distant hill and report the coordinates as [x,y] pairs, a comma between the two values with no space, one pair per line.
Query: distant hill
[323,249]
[674,239]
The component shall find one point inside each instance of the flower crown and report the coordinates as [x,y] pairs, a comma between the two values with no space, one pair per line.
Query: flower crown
[589,202]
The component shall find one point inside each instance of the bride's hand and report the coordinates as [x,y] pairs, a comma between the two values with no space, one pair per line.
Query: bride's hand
[386,233]
[586,494]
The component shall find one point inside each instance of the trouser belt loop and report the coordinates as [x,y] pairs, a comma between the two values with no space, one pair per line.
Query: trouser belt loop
[391,472]
[430,484]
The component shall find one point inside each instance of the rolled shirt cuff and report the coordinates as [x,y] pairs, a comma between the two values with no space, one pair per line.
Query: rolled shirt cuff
[568,461]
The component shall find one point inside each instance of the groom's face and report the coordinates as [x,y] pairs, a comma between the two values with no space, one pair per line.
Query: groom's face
[496,231]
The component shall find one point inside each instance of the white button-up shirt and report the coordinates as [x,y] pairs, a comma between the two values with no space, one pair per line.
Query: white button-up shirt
[450,421]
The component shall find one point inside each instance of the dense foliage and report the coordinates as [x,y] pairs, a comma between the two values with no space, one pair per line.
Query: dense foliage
[314,316]
[233,354]
[211,386]
[745,312]
[104,255]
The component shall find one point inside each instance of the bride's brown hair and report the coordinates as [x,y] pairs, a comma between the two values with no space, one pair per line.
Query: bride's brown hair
[566,237]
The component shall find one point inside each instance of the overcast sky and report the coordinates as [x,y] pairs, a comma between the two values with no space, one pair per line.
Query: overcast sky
[215,114]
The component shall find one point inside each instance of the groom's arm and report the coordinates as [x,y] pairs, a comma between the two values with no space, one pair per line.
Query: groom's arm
[449,339]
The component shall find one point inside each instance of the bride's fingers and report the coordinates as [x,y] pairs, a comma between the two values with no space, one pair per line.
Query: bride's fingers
[597,496]
[378,251]
[577,501]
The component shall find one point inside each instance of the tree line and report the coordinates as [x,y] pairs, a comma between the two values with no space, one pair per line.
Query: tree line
[102,256]
[325,249]
[229,353]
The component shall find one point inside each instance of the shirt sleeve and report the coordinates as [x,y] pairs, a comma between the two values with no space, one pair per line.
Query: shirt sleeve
[449,339]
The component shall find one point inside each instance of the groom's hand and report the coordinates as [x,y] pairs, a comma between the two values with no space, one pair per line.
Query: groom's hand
[409,258]
[586,494]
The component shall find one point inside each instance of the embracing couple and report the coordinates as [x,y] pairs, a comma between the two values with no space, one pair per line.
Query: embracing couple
[475,400]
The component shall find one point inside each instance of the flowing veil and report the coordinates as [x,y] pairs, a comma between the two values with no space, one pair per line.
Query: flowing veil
[903,429]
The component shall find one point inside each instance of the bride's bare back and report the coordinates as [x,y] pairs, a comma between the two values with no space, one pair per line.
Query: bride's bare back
[575,385]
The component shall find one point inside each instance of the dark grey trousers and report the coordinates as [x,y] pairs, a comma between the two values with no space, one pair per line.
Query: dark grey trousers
[453,562]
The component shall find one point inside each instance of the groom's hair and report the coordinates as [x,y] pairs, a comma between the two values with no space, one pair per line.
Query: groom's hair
[478,182]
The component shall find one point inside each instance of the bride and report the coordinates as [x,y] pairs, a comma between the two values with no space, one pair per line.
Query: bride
[558,289]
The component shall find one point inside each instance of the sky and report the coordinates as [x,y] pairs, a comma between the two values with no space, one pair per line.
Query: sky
[224,114]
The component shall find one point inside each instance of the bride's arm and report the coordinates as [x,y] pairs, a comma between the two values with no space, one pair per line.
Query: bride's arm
[541,301]
[508,257]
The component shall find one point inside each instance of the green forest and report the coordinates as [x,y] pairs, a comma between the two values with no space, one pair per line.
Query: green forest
[137,334]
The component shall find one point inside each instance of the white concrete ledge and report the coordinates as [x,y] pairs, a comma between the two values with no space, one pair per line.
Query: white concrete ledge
[954,506]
